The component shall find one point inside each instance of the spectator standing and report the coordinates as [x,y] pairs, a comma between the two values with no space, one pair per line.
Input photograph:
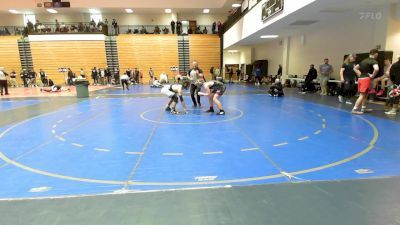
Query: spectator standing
[173,26]
[82,73]
[179,27]
[325,70]
[348,79]
[279,73]
[57,26]
[3,81]
[108,76]
[43,77]
[32,77]
[238,73]
[115,27]
[151,76]
[212,73]
[394,94]
[71,76]
[13,79]
[25,77]
[205,31]
[257,72]
[95,76]
[366,70]
[116,75]
[214,28]
[137,75]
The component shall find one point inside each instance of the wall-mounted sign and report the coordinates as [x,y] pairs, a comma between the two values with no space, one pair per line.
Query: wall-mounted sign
[252,3]
[245,5]
[271,7]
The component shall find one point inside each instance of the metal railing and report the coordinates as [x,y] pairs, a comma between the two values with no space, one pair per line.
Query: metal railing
[11,30]
[88,28]
[162,29]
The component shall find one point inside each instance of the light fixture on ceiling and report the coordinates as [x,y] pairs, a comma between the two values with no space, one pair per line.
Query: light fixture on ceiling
[14,11]
[233,51]
[206,10]
[129,10]
[94,11]
[269,36]
[168,10]
[52,11]
[236,5]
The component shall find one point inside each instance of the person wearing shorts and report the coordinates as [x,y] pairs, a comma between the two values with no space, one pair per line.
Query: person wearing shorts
[214,90]
[366,70]
[382,79]
[394,92]
[175,93]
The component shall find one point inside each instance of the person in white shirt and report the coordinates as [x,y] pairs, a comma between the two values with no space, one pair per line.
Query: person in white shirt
[124,81]
[3,81]
[163,78]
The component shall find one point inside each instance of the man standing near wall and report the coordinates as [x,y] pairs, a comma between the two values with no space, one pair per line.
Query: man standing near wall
[173,27]
[325,70]
[3,81]
[366,71]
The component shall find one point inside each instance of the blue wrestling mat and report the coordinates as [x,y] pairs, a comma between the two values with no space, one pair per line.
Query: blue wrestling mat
[111,145]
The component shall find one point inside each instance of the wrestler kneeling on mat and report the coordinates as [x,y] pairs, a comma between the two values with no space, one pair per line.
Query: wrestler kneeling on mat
[174,92]
[214,90]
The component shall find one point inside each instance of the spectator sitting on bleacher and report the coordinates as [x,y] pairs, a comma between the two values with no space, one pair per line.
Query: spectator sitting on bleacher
[308,83]
[157,30]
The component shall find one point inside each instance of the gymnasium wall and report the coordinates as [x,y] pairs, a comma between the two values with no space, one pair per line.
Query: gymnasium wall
[144,51]
[333,40]
[393,36]
[9,54]
[51,55]
[205,49]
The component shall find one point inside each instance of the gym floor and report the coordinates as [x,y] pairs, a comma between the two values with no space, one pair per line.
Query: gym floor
[300,159]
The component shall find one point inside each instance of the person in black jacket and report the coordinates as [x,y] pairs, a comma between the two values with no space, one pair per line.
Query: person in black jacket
[394,93]
[276,89]
[173,26]
[95,76]
[312,75]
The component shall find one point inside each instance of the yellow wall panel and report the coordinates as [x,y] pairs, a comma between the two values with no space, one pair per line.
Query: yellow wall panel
[9,54]
[144,51]
[205,49]
[51,55]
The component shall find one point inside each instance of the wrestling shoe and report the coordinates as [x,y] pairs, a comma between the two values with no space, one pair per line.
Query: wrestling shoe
[366,110]
[340,98]
[348,102]
[356,112]
[222,112]
[391,112]
[174,112]
[210,111]
[168,109]
[373,91]
[380,93]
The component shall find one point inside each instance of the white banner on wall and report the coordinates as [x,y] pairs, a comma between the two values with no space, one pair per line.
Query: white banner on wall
[252,3]
[245,5]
